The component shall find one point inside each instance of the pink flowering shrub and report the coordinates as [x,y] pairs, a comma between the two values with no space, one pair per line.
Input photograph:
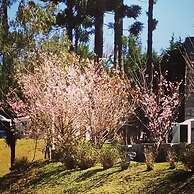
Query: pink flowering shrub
[159,105]
[69,100]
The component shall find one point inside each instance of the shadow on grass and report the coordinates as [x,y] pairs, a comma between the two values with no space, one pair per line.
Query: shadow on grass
[88,174]
[179,181]
[17,181]
[7,181]
[91,179]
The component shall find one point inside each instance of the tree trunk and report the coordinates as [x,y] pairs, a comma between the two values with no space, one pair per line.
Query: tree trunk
[70,17]
[12,147]
[149,70]
[76,39]
[4,18]
[98,48]
[118,33]
[5,29]
[12,144]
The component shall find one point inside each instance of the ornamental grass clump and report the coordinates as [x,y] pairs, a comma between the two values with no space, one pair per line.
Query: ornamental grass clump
[150,156]
[68,156]
[86,155]
[171,156]
[108,156]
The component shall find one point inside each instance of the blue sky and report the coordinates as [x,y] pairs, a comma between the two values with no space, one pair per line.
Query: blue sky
[174,17]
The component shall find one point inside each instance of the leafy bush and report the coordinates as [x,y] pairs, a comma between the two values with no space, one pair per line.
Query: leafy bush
[150,156]
[86,155]
[108,155]
[66,155]
[188,159]
[80,154]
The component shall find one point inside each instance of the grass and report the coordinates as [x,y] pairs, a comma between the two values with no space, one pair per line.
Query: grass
[24,148]
[48,178]
[43,177]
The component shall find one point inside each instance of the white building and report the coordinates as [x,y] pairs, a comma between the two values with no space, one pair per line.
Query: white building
[183,132]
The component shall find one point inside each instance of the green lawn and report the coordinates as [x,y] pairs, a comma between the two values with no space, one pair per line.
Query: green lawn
[43,177]
[24,148]
[53,178]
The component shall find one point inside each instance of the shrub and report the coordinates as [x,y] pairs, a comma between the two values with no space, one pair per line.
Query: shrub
[66,154]
[188,157]
[108,155]
[21,164]
[81,154]
[123,153]
[86,155]
[171,156]
[58,154]
[179,150]
[150,156]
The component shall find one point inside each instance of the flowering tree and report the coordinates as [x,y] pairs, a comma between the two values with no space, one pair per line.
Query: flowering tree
[66,102]
[159,105]
[105,100]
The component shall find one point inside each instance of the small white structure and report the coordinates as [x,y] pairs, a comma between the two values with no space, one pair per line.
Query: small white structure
[183,132]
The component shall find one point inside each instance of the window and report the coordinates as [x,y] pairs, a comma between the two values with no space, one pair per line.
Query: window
[192,131]
[183,133]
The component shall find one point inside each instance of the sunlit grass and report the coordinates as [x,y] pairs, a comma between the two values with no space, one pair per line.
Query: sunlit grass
[51,178]
[43,177]
[24,148]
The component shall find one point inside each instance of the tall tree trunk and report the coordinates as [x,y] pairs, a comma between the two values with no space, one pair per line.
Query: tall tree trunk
[70,5]
[5,28]
[76,39]
[4,18]
[6,68]
[150,41]
[118,33]
[98,47]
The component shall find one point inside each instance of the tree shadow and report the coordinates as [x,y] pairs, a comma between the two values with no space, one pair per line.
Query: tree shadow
[179,181]
[98,179]
[88,174]
[12,181]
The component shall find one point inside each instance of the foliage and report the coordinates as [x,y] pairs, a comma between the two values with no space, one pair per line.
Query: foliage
[188,157]
[86,155]
[173,61]
[68,153]
[80,154]
[84,52]
[34,18]
[32,23]
[134,60]
[75,18]
[108,155]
